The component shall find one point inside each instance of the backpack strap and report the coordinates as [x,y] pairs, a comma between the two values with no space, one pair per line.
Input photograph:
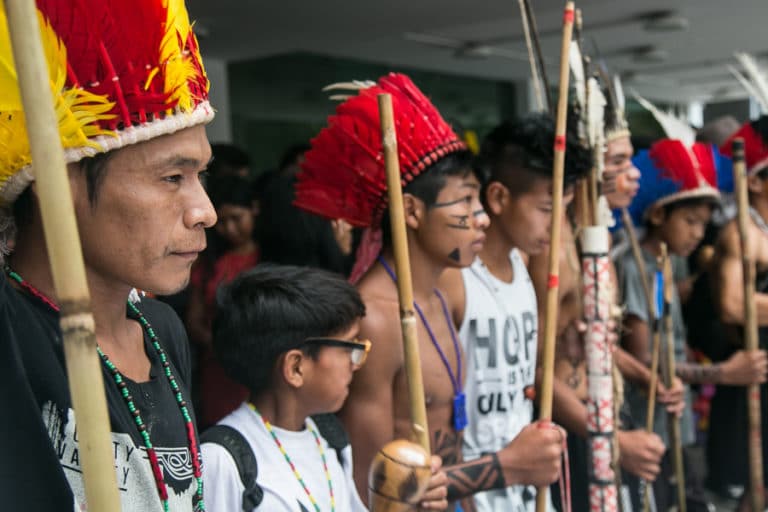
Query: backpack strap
[331,428]
[237,446]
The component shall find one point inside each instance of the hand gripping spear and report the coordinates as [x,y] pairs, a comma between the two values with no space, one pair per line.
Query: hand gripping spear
[77,325]
[400,462]
[550,323]
[750,327]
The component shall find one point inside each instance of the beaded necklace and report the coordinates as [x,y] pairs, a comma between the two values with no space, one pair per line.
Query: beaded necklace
[295,471]
[128,398]
[459,398]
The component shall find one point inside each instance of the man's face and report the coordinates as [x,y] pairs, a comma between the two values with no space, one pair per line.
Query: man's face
[524,219]
[148,223]
[684,227]
[620,177]
[452,229]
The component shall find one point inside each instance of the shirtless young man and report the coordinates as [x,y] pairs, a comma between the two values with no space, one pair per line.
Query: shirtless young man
[494,299]
[445,222]
[640,451]
[727,447]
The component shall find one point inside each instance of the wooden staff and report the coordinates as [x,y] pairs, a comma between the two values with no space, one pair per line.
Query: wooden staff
[550,324]
[531,58]
[86,384]
[668,372]
[400,471]
[542,66]
[750,326]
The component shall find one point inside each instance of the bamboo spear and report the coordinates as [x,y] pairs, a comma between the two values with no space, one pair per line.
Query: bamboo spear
[668,371]
[531,16]
[531,57]
[403,270]
[550,324]
[750,327]
[63,242]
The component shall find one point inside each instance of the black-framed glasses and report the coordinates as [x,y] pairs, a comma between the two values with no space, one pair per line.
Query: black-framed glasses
[359,348]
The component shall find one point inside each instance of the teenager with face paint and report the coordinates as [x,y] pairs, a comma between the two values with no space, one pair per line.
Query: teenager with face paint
[495,301]
[445,221]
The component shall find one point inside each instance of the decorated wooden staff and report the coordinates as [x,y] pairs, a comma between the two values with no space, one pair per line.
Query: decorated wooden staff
[63,242]
[401,461]
[668,373]
[550,324]
[750,326]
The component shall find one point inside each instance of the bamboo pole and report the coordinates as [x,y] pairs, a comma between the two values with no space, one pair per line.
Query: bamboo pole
[531,57]
[403,270]
[63,242]
[550,319]
[668,371]
[750,326]
[539,54]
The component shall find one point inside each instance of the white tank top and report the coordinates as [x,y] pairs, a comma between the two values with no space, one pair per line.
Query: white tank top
[499,338]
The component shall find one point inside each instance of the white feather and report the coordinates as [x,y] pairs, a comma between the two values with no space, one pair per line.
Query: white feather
[744,81]
[618,90]
[577,68]
[595,111]
[759,82]
[673,127]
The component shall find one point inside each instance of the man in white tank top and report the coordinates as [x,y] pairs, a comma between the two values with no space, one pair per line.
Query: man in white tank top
[496,301]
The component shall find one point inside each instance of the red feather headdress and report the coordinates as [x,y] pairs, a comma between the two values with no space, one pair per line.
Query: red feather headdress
[343,174]
[121,72]
[692,170]
[755,135]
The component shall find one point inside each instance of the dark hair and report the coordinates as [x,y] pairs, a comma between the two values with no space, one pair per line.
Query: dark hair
[93,167]
[291,236]
[292,154]
[688,202]
[271,309]
[227,159]
[517,153]
[229,189]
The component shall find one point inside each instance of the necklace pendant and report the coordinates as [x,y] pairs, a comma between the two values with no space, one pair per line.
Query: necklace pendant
[459,411]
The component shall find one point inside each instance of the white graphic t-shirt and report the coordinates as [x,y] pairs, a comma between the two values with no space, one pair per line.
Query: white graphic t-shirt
[282,490]
[499,337]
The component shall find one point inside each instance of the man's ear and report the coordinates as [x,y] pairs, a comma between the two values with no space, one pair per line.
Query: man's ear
[414,210]
[292,368]
[656,215]
[496,197]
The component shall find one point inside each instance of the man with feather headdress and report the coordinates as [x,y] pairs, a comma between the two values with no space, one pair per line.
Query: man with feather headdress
[131,112]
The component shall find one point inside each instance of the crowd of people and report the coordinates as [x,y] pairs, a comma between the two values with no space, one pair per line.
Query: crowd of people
[261,366]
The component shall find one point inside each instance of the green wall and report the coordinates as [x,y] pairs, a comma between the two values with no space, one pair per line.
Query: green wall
[278,101]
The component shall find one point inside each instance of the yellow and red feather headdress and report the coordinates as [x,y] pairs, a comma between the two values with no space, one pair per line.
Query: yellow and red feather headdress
[121,72]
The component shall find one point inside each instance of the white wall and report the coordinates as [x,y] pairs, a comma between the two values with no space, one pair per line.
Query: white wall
[220,130]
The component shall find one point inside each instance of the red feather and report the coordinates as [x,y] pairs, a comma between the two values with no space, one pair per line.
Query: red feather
[755,145]
[343,175]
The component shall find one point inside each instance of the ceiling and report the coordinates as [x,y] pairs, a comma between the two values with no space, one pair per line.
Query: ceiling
[376,31]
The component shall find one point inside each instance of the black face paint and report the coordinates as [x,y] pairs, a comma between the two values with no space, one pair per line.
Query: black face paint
[451,203]
[462,222]
[455,255]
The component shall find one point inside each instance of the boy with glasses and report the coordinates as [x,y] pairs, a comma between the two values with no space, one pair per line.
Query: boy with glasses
[289,334]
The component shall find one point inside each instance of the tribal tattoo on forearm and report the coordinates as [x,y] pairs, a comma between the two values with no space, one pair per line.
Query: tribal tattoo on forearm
[698,374]
[467,478]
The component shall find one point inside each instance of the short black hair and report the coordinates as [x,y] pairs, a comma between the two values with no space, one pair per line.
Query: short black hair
[227,159]
[230,189]
[93,167]
[517,153]
[272,309]
[688,202]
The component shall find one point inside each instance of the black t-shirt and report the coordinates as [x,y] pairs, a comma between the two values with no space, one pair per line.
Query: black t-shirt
[40,465]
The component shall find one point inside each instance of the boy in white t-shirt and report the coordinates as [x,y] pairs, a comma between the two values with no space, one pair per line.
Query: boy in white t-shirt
[496,301]
[290,335]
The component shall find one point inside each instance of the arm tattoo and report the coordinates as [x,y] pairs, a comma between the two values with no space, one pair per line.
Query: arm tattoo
[697,374]
[468,478]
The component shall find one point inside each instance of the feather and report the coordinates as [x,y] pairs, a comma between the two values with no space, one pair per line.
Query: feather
[595,112]
[759,81]
[674,128]
[618,89]
[577,70]
[744,81]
